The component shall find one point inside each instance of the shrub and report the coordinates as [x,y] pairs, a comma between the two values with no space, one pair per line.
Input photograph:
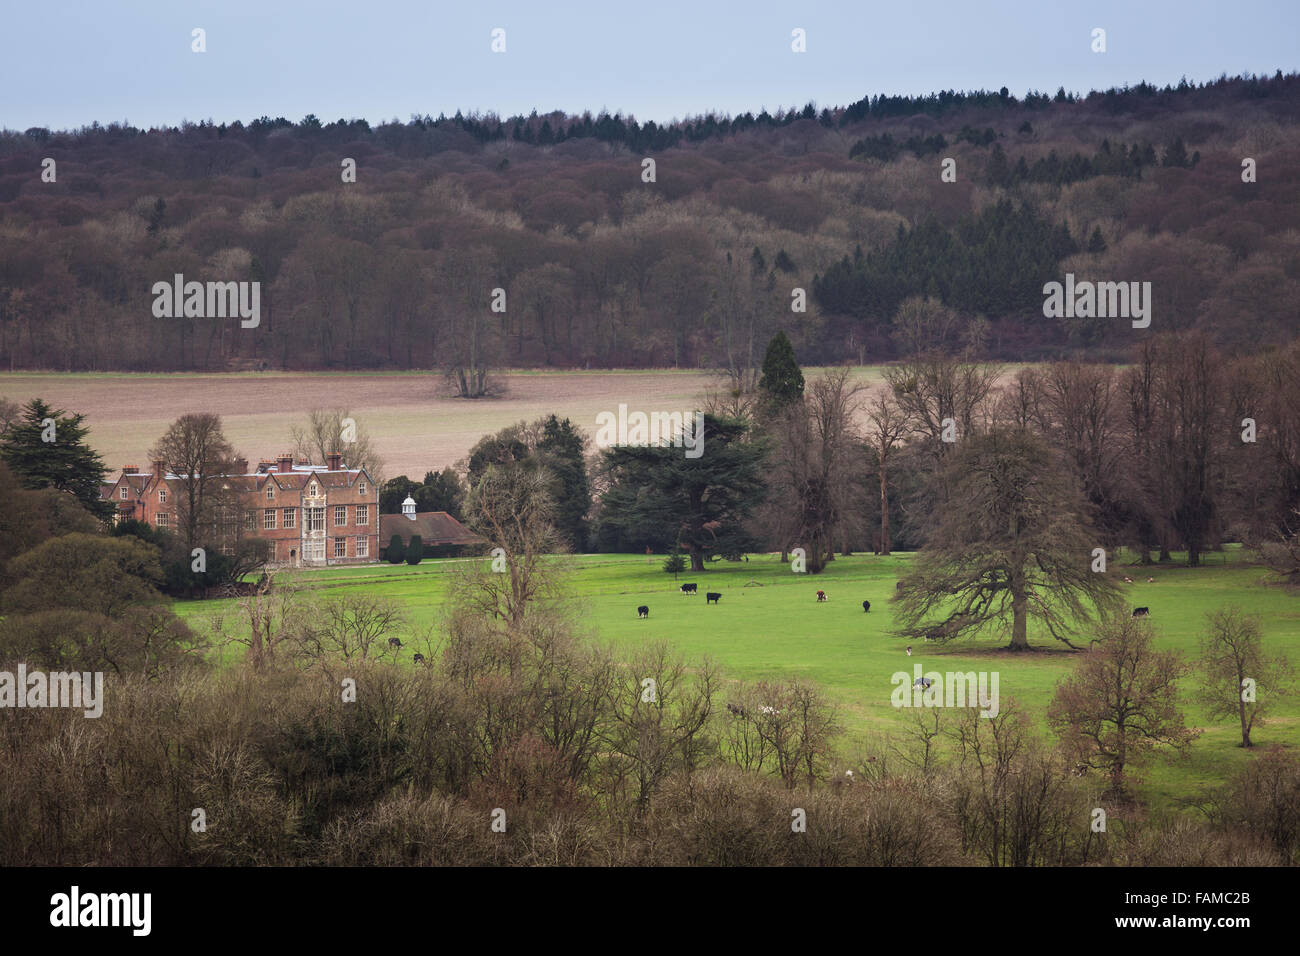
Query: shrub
[395,552]
[415,550]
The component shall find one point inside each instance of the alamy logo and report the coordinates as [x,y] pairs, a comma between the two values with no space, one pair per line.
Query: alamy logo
[38,689]
[103,909]
[1100,300]
[946,690]
[663,429]
[211,300]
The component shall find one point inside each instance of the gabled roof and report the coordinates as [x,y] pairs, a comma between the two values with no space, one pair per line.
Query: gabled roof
[433,527]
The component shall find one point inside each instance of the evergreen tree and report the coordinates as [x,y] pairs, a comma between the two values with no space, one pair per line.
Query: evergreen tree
[414,550]
[1096,242]
[396,552]
[675,564]
[782,380]
[46,448]
[659,497]
[562,450]
[1176,154]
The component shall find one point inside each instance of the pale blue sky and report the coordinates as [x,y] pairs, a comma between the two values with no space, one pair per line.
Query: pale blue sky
[64,64]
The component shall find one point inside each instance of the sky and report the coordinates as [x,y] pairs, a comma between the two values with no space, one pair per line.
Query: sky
[65,64]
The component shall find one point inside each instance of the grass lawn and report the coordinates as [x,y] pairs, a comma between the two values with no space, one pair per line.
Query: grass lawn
[769,625]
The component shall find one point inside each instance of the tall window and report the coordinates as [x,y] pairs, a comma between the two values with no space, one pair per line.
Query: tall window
[164,519]
[314,551]
[340,515]
[363,514]
[250,520]
[362,488]
[268,519]
[270,492]
[340,547]
[122,493]
[363,547]
[315,518]
[313,491]
[290,517]
[162,496]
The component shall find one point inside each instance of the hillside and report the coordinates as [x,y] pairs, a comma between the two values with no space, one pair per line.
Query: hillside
[695,269]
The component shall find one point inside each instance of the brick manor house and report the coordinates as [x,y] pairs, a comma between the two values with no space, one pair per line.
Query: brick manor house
[312,514]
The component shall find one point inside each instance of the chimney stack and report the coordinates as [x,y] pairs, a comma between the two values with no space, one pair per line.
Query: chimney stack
[336,462]
[241,466]
[130,470]
[159,468]
[285,462]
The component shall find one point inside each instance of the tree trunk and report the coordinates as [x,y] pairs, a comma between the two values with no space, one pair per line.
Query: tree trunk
[1019,615]
[884,512]
[697,559]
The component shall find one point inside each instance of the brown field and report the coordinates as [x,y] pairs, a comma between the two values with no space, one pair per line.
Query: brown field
[416,426]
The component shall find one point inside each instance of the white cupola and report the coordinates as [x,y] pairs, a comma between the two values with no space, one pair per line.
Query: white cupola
[408,508]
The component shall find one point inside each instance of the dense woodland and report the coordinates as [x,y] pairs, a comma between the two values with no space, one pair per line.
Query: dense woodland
[695,269]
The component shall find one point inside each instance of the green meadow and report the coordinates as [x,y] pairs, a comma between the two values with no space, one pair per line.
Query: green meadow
[769,625]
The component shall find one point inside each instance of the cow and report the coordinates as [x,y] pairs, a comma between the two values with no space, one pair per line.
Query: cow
[690,589]
[643,611]
[909,650]
[1141,612]
[395,643]
[1127,579]
[821,596]
[923,682]
[1151,580]
[711,597]
[866,606]
[736,710]
[419,658]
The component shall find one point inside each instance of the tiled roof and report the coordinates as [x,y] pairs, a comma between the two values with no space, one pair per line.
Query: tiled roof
[433,527]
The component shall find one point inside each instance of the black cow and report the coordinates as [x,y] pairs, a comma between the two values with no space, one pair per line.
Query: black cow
[643,611]
[923,682]
[419,658]
[395,643]
[866,606]
[821,595]
[711,597]
[1141,611]
[690,589]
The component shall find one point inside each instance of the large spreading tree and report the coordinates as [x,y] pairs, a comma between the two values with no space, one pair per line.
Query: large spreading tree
[46,448]
[658,497]
[1012,545]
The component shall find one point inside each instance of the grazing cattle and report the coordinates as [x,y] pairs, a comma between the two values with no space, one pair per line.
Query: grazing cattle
[736,710]
[866,605]
[1151,580]
[419,658]
[821,595]
[1141,612]
[923,682]
[643,611]
[711,597]
[690,589]
[1127,579]
[909,650]
[395,643]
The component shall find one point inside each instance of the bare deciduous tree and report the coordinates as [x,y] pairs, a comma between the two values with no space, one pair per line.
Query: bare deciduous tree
[1121,702]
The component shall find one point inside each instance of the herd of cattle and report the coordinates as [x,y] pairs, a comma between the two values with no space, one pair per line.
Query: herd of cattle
[711,597]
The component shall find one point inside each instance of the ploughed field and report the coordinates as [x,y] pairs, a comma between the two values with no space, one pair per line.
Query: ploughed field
[769,625]
[416,424]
